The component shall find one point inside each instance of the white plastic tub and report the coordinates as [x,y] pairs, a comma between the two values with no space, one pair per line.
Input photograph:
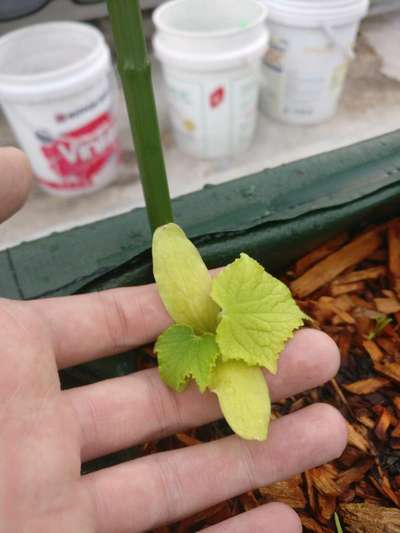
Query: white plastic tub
[305,67]
[57,90]
[211,54]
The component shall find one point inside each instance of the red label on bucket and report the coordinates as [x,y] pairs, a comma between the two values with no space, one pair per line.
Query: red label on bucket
[79,155]
[217,97]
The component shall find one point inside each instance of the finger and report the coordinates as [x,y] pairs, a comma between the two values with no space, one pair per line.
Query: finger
[90,326]
[122,412]
[15,181]
[175,484]
[271,518]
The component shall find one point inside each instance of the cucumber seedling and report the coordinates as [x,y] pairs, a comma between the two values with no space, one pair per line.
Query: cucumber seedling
[227,329]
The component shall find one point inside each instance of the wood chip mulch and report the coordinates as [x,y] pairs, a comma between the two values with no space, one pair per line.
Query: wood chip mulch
[351,288]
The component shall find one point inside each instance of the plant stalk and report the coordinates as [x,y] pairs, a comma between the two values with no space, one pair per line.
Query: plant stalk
[135,71]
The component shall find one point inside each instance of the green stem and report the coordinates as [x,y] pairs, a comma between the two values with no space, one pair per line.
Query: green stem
[135,71]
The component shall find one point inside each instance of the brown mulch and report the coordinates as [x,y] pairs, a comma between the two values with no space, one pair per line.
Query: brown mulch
[351,289]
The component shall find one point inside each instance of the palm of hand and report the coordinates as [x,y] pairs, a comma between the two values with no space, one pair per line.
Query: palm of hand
[41,489]
[46,432]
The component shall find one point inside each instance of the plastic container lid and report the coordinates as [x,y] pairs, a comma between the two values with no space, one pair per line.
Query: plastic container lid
[314,13]
[208,34]
[205,19]
[53,59]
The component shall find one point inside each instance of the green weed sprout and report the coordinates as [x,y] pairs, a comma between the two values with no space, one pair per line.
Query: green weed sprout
[338,525]
[381,321]
[227,329]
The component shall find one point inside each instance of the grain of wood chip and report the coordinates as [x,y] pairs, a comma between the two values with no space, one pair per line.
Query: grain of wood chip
[366,386]
[345,302]
[383,486]
[310,490]
[312,525]
[366,421]
[373,350]
[361,275]
[326,305]
[187,440]
[320,253]
[346,288]
[387,305]
[367,518]
[323,479]
[383,424]
[249,501]
[396,402]
[388,345]
[357,439]
[396,432]
[327,506]
[394,247]
[355,474]
[360,302]
[391,370]
[336,263]
[289,492]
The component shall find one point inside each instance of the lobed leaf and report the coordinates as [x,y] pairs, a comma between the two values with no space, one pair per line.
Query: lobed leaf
[182,355]
[258,314]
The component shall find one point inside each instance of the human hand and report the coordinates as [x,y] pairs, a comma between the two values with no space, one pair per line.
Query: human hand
[15,181]
[46,433]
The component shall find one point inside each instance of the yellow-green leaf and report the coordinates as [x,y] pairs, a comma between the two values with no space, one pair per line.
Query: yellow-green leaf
[258,314]
[183,280]
[244,398]
[182,355]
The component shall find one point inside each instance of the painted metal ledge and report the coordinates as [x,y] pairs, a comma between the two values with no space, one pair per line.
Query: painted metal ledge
[275,215]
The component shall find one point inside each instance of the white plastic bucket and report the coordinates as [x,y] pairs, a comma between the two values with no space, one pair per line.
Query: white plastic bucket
[57,91]
[211,53]
[311,47]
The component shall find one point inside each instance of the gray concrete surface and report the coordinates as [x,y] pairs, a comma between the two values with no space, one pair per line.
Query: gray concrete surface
[370,107]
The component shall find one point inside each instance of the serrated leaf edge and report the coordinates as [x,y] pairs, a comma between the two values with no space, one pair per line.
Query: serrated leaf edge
[189,376]
[303,317]
[271,368]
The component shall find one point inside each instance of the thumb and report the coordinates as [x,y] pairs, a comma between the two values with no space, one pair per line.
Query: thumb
[15,181]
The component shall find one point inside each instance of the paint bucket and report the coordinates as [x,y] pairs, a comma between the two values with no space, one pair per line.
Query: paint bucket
[57,90]
[211,53]
[311,47]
